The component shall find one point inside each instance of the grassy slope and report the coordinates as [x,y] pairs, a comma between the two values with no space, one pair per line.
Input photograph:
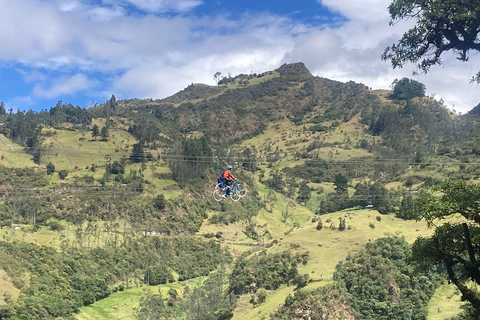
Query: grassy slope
[66,151]
[13,155]
[445,303]
[7,287]
[123,305]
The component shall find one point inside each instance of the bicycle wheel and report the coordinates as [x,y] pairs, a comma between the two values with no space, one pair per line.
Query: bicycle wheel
[235,195]
[242,191]
[218,193]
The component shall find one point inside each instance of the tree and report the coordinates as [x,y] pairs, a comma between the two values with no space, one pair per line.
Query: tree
[408,208]
[95,131]
[159,202]
[441,26]
[342,225]
[104,133]
[341,183]
[304,193]
[217,76]
[211,301]
[454,244]
[2,109]
[50,168]
[138,155]
[62,174]
[406,89]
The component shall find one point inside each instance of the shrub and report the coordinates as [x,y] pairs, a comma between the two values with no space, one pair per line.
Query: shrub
[62,174]
[319,225]
[50,168]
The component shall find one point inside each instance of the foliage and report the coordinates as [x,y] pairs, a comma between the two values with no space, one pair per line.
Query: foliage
[152,307]
[62,174]
[145,129]
[264,270]
[60,283]
[159,202]
[453,244]
[116,167]
[95,131]
[196,155]
[381,284]
[304,193]
[50,168]
[406,89]
[211,301]
[104,134]
[440,26]
[328,302]
[408,208]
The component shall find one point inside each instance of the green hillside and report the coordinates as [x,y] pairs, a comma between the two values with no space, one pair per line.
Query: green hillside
[103,207]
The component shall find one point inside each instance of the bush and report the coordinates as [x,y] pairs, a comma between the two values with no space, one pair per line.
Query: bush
[62,174]
[50,168]
[319,225]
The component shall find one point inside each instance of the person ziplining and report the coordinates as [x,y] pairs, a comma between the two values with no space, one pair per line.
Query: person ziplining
[228,187]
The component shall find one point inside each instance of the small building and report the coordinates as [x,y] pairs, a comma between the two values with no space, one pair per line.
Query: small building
[370,206]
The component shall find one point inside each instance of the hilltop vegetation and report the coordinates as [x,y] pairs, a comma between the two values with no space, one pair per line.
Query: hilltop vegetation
[120,195]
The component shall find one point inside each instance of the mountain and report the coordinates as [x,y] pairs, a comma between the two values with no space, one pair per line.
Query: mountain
[98,202]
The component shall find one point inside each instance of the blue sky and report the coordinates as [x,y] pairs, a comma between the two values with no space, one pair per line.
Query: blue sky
[83,51]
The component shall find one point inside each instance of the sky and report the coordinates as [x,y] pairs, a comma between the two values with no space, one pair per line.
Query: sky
[83,51]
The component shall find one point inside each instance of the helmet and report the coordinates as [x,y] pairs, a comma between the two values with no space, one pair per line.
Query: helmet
[229,167]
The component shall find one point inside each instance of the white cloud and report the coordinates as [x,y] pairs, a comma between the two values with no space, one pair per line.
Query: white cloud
[106,13]
[150,55]
[64,86]
[15,103]
[369,10]
[160,5]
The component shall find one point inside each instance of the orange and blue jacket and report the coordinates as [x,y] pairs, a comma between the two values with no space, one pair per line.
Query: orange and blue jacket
[228,175]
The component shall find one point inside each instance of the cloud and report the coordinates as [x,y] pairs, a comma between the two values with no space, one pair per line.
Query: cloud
[144,53]
[160,5]
[369,10]
[64,86]
[15,103]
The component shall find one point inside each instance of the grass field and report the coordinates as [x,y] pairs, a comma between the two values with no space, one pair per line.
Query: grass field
[124,304]
[7,289]
[68,150]
[445,303]
[13,154]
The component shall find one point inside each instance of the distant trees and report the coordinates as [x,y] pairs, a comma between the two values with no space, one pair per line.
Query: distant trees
[50,168]
[95,131]
[341,183]
[2,109]
[196,156]
[304,193]
[409,208]
[116,167]
[138,154]
[379,275]
[217,76]
[211,301]
[406,89]
[104,133]
[159,202]
[145,129]
[439,27]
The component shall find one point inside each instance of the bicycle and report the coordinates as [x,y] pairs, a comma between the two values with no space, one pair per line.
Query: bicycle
[222,191]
